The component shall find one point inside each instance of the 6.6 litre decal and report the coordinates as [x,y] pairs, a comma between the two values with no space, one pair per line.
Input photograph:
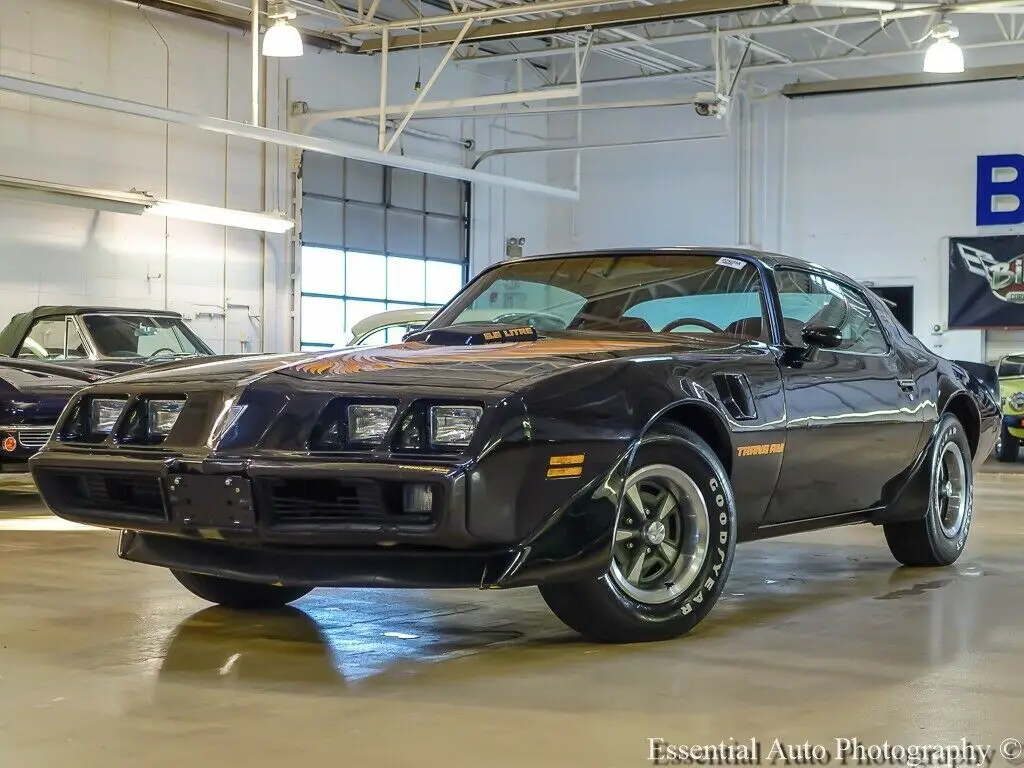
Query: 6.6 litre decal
[718,504]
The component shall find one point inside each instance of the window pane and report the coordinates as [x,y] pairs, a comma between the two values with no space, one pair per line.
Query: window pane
[359,310]
[396,332]
[366,275]
[406,279]
[375,339]
[444,280]
[323,271]
[323,320]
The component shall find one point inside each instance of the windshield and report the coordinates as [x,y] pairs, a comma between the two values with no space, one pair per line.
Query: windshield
[641,293]
[142,336]
[1011,365]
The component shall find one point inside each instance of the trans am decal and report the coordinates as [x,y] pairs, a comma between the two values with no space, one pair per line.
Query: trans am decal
[413,354]
[986,282]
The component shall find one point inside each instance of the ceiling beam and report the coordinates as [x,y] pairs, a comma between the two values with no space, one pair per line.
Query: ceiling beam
[898,82]
[758,29]
[241,23]
[574,23]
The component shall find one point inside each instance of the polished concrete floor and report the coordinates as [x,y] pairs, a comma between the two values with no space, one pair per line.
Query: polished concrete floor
[819,637]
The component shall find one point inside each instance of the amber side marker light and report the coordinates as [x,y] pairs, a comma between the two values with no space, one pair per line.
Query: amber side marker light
[566,466]
[10,443]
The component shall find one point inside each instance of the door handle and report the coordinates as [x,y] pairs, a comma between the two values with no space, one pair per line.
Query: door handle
[907,385]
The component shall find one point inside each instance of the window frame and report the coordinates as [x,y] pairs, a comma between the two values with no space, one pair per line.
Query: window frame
[845,285]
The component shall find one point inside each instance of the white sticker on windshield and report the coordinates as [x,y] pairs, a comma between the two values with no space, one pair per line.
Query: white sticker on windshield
[725,261]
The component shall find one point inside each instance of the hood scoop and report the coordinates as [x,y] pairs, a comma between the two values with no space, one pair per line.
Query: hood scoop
[474,334]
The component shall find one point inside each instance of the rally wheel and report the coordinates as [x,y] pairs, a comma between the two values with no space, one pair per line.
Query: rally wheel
[673,547]
[938,538]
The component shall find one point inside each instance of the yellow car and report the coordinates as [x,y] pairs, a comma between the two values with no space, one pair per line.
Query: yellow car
[1011,397]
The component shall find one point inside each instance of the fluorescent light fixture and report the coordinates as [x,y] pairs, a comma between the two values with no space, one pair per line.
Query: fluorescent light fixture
[227,217]
[944,57]
[282,39]
[32,191]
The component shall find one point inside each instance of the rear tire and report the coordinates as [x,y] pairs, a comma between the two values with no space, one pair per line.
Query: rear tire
[1007,446]
[673,547]
[241,595]
[940,536]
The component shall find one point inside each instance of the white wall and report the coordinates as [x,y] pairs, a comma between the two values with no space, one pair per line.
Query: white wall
[877,182]
[670,193]
[870,184]
[52,254]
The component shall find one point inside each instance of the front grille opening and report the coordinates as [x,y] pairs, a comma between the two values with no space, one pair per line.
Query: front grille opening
[328,501]
[117,494]
[33,437]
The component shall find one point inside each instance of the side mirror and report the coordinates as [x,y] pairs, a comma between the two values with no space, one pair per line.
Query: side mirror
[822,336]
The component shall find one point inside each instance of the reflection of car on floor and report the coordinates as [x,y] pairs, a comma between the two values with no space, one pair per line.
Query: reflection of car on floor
[648,411]
[1010,371]
[106,338]
[32,396]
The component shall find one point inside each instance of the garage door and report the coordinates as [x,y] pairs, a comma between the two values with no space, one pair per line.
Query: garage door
[374,239]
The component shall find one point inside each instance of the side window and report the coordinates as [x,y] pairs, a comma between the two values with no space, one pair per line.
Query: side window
[46,340]
[808,299]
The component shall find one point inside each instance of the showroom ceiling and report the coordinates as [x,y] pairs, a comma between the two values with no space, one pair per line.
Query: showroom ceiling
[774,42]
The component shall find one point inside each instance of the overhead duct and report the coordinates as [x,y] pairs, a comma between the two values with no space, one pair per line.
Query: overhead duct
[224,127]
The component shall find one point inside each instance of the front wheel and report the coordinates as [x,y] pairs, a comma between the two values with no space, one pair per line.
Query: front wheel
[242,595]
[1007,446]
[673,547]
[940,536]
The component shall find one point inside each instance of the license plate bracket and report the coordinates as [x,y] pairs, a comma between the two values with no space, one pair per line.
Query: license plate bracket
[211,501]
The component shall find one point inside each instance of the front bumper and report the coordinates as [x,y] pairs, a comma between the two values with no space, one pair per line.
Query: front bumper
[268,519]
[19,442]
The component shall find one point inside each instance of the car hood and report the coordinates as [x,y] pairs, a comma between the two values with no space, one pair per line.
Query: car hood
[467,367]
[486,366]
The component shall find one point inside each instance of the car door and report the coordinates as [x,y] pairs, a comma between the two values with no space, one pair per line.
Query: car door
[851,424]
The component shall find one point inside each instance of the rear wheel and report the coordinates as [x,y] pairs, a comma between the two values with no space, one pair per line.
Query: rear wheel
[940,536]
[1007,446]
[673,547]
[242,595]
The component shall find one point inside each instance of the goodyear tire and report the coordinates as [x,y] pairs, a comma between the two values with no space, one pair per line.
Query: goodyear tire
[1007,446]
[673,547]
[940,536]
[241,595]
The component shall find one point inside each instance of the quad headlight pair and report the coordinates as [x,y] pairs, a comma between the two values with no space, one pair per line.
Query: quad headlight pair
[161,415]
[449,425]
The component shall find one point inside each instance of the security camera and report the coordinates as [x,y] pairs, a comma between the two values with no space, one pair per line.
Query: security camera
[710,104]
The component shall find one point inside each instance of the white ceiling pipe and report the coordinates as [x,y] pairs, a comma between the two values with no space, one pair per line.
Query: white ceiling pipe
[310,119]
[273,136]
[471,114]
[999,6]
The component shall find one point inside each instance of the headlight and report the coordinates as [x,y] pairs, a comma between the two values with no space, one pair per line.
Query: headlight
[162,415]
[369,423]
[1017,401]
[103,415]
[454,424]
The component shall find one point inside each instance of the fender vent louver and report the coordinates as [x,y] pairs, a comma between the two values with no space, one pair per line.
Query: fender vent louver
[734,392]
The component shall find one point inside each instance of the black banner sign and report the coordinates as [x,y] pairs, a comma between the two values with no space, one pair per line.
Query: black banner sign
[986,282]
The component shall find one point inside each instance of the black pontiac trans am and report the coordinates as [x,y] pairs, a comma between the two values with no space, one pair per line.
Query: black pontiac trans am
[634,416]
